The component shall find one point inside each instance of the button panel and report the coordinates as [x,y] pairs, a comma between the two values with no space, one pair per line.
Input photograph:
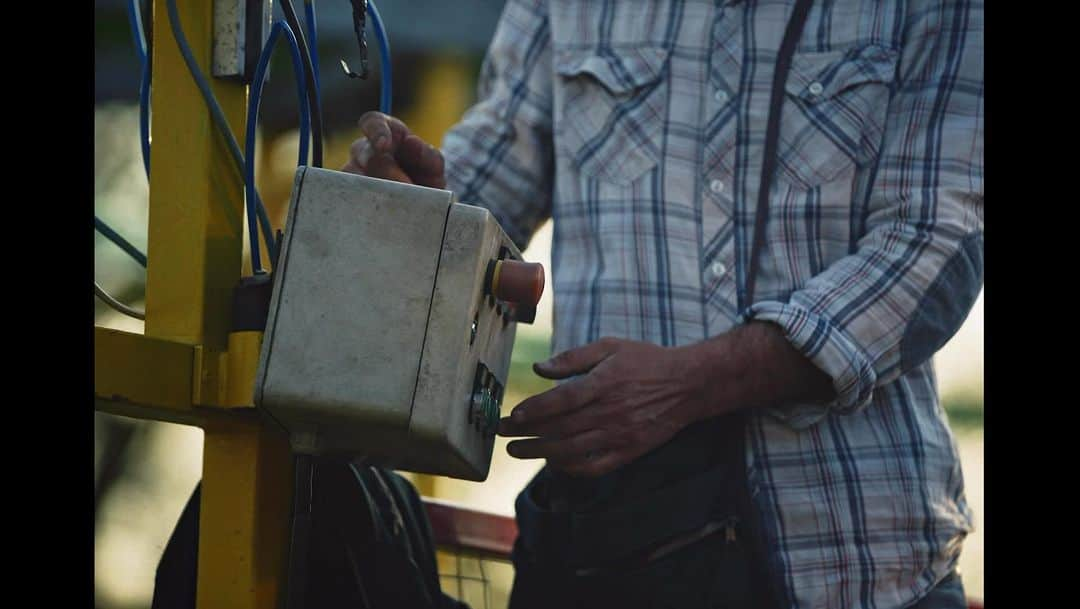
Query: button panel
[485,402]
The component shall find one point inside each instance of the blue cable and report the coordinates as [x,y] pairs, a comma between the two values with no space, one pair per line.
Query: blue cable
[139,38]
[218,117]
[135,19]
[255,92]
[254,99]
[120,242]
[386,94]
[144,115]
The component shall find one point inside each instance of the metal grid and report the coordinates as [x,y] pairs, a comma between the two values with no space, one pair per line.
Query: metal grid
[479,581]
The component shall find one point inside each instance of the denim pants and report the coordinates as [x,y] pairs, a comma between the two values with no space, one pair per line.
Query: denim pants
[581,541]
[703,575]
[696,577]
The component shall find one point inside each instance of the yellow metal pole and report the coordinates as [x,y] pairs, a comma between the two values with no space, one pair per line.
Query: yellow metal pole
[243,525]
[195,253]
[196,191]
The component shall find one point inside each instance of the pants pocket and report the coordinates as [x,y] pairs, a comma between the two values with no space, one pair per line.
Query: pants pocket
[714,573]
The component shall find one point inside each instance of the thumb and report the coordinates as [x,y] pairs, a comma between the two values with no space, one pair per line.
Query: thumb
[577,361]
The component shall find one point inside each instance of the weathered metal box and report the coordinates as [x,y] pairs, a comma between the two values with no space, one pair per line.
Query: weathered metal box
[381,340]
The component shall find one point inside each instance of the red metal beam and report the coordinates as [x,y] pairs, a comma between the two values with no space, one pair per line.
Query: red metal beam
[454,525]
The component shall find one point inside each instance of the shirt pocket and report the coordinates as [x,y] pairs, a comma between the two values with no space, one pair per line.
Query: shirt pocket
[834,113]
[610,110]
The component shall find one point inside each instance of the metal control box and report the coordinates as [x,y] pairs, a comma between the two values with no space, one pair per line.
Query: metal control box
[381,339]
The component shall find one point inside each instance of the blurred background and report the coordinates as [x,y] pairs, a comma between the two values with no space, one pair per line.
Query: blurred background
[145,471]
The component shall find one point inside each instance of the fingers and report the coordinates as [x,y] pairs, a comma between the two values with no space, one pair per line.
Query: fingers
[563,450]
[352,167]
[532,416]
[422,161]
[555,426]
[577,361]
[384,132]
[589,454]
[388,136]
[365,161]
[384,166]
[360,152]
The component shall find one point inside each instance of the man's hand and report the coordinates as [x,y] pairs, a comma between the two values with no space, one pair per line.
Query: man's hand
[390,151]
[632,396]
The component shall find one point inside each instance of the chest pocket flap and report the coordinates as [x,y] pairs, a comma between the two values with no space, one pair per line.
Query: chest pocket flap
[835,114]
[610,109]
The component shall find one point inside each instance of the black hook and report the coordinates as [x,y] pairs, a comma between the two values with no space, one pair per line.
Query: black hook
[359,16]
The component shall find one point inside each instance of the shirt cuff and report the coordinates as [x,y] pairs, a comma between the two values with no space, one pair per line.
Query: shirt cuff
[830,349]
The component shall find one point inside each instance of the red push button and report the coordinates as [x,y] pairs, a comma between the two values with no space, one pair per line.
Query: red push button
[521,283]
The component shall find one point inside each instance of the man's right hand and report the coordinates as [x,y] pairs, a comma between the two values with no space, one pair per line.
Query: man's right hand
[390,151]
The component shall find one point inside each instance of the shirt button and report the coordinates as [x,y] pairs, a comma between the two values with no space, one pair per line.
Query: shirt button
[716,186]
[721,97]
[816,88]
[718,269]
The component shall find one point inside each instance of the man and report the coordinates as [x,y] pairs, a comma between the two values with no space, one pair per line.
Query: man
[748,407]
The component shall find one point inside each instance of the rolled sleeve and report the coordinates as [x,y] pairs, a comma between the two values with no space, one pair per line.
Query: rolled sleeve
[917,268]
[827,347]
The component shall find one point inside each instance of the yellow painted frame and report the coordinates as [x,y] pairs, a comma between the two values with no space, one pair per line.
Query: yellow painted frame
[187,367]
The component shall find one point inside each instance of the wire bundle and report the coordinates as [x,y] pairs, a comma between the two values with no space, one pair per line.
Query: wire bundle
[305,69]
[249,140]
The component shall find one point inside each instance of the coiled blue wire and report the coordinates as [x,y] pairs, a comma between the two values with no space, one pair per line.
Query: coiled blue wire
[254,203]
[219,120]
[135,20]
[120,242]
[254,99]
[386,93]
[139,38]
[144,115]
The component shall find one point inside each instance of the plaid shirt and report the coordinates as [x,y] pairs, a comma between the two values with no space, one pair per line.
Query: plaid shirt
[639,127]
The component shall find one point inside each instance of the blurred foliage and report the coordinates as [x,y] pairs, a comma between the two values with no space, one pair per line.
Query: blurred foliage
[965,412]
[522,381]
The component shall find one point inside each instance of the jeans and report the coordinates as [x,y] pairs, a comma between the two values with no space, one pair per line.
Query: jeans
[676,581]
[948,594]
[708,574]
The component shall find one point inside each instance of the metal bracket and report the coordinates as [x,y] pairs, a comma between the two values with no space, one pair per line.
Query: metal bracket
[226,379]
[241,28]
